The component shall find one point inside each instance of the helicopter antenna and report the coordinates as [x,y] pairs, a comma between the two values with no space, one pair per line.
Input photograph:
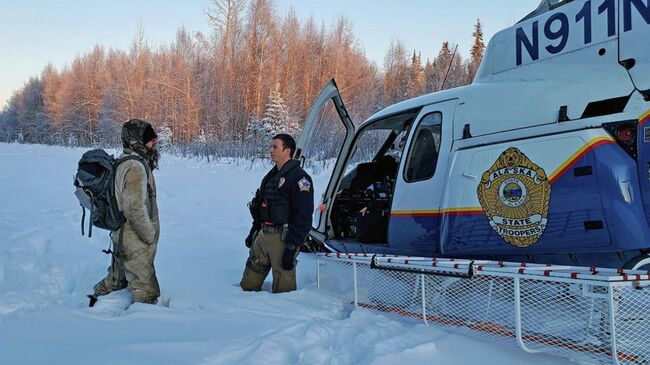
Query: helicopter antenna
[449,68]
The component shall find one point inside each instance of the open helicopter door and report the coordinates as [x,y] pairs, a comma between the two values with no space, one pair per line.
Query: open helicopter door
[634,30]
[421,180]
[322,148]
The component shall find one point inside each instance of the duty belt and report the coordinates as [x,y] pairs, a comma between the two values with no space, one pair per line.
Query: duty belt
[271,229]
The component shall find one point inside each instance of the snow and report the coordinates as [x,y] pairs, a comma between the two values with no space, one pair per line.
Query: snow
[203,317]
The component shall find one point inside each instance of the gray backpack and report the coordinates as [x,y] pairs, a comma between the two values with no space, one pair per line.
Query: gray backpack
[95,189]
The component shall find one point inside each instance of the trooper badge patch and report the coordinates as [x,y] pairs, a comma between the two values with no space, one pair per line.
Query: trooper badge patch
[515,193]
[304,184]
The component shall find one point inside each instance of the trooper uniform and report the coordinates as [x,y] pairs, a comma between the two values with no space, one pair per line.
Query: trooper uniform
[282,214]
[134,246]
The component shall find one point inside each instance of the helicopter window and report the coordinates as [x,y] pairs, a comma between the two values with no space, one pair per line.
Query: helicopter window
[367,147]
[325,142]
[552,4]
[544,6]
[423,155]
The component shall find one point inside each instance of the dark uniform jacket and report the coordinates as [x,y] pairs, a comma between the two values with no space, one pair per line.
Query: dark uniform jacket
[285,197]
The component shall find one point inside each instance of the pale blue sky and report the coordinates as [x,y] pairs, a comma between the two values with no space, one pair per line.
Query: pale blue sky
[36,32]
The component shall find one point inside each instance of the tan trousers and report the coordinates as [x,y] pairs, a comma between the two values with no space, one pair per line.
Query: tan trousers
[134,271]
[266,255]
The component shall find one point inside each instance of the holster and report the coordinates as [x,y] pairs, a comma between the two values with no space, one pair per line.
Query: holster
[254,207]
[285,232]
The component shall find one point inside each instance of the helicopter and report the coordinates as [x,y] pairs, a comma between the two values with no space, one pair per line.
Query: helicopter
[544,158]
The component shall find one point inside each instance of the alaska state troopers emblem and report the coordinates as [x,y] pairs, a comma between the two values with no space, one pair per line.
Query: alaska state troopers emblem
[514,193]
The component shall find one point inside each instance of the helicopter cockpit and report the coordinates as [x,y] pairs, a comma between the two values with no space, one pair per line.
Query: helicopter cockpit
[362,203]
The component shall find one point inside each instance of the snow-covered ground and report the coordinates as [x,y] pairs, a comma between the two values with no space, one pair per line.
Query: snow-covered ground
[47,268]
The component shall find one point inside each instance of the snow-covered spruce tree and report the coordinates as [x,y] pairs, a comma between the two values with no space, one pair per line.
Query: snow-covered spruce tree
[276,120]
[416,79]
[478,47]
[164,139]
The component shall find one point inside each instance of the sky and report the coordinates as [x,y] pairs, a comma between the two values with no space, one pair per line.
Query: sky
[34,33]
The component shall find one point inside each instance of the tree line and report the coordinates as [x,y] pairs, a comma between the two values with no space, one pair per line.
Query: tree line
[209,92]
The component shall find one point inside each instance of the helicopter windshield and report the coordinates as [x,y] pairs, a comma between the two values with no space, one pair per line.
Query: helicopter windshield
[543,7]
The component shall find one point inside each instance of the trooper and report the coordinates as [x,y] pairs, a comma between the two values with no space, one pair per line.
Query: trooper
[282,214]
[134,246]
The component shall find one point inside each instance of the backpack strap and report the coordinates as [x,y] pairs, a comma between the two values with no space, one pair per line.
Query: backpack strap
[90,223]
[134,157]
[83,219]
[118,246]
[147,169]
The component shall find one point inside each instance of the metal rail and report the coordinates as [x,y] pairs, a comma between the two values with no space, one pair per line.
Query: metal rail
[523,303]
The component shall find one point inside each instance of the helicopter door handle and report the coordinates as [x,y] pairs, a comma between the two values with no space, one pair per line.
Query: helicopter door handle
[469,176]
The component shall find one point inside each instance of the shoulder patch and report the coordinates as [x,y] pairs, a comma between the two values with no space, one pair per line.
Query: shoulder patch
[304,184]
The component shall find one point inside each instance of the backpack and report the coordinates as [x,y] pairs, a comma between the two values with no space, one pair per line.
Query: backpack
[95,189]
